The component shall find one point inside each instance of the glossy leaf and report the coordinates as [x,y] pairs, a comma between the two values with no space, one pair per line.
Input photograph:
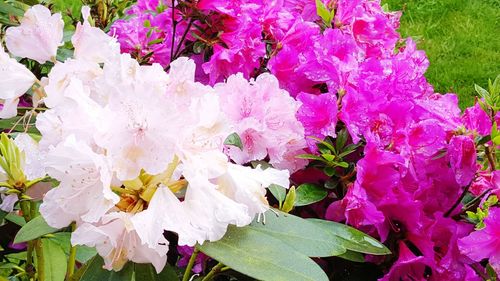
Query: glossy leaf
[309,193]
[54,260]
[352,239]
[289,200]
[147,272]
[300,234]
[33,229]
[234,140]
[279,192]
[93,271]
[262,256]
[352,256]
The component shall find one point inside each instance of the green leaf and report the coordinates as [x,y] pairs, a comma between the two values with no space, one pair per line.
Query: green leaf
[341,139]
[310,157]
[353,239]
[54,260]
[11,10]
[2,216]
[261,256]
[83,253]
[300,234]
[19,220]
[481,91]
[279,192]
[353,256]
[234,140]
[328,157]
[289,200]
[33,229]
[146,272]
[309,193]
[93,271]
[323,13]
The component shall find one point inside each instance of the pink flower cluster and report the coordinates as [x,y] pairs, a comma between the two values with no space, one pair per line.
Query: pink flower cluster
[418,149]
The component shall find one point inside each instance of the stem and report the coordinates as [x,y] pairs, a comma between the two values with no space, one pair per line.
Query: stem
[466,189]
[25,208]
[189,267]
[177,51]
[40,261]
[216,269]
[174,25]
[491,159]
[478,269]
[72,257]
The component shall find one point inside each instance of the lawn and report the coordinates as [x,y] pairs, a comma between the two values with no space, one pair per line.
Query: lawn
[461,39]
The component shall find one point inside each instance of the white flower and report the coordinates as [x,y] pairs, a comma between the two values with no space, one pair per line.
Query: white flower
[84,192]
[15,80]
[63,73]
[248,186]
[117,242]
[139,125]
[38,36]
[211,211]
[91,43]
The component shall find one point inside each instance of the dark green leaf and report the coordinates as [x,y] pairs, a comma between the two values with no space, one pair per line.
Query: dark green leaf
[341,139]
[234,140]
[289,200]
[310,157]
[33,229]
[54,260]
[15,219]
[261,256]
[83,253]
[11,10]
[329,171]
[279,192]
[353,256]
[300,234]
[309,193]
[2,215]
[146,272]
[93,271]
[353,239]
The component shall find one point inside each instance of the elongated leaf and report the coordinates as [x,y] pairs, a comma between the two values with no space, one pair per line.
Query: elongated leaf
[279,192]
[93,271]
[353,256]
[15,219]
[83,253]
[146,272]
[33,229]
[352,239]
[234,140]
[309,193]
[262,256]
[54,260]
[300,234]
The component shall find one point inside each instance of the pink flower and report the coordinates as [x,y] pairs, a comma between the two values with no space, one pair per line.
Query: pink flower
[318,115]
[186,252]
[409,266]
[475,119]
[263,115]
[484,243]
[462,157]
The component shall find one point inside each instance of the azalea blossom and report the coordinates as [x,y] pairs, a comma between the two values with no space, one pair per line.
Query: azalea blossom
[38,36]
[15,80]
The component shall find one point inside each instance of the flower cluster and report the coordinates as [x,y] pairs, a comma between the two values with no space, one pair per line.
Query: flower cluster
[126,141]
[137,124]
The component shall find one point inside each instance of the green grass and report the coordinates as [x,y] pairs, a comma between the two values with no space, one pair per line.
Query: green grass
[461,39]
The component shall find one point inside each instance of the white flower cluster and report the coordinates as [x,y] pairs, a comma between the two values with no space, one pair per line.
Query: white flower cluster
[137,151]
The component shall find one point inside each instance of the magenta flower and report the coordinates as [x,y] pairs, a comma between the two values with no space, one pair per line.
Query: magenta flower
[475,119]
[484,243]
[318,115]
[462,157]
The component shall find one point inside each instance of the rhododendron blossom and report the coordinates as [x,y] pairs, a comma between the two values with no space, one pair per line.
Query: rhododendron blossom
[188,122]
[38,36]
